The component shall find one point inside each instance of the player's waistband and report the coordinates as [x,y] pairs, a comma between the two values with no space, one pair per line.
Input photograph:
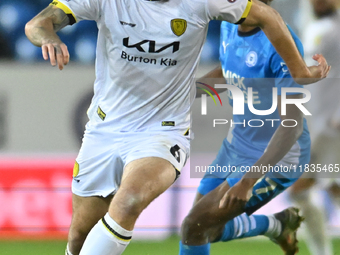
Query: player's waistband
[186,132]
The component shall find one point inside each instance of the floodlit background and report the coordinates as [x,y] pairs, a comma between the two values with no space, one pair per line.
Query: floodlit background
[42,117]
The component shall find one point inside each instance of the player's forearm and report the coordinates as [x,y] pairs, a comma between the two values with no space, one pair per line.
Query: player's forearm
[279,35]
[43,27]
[41,32]
[280,144]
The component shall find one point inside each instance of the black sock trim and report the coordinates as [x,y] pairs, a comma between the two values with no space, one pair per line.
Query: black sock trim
[126,238]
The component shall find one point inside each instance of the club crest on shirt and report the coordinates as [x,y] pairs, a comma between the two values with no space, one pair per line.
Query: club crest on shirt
[251,59]
[178,26]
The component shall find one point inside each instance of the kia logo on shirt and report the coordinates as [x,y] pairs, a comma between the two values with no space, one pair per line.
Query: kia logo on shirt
[150,45]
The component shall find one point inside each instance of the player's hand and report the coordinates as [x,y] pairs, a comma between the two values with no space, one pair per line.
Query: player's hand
[320,71]
[238,195]
[57,52]
[317,72]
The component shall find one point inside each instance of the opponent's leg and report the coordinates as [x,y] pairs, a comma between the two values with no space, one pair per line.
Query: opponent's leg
[280,228]
[206,220]
[198,197]
[208,223]
[143,180]
[86,213]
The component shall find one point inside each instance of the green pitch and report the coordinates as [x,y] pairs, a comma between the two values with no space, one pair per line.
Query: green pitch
[166,247]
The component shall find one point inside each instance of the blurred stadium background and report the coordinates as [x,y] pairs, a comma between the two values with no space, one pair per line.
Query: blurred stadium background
[42,114]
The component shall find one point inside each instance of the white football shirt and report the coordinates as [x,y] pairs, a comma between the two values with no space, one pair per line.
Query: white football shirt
[147,55]
[322,36]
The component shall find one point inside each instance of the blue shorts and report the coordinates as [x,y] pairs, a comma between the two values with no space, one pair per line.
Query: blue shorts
[263,191]
[231,167]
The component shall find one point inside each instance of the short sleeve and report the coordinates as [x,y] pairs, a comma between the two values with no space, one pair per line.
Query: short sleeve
[233,11]
[78,10]
[280,70]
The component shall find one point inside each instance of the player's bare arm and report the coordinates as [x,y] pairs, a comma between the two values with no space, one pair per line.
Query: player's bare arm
[41,31]
[270,21]
[279,145]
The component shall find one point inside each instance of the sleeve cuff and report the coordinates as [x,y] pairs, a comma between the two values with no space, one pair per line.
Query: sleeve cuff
[245,13]
[67,11]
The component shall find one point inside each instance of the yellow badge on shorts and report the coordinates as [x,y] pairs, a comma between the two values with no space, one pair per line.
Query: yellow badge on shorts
[178,26]
[101,114]
[75,169]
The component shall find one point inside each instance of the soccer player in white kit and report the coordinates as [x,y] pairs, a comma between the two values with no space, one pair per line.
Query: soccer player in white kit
[137,139]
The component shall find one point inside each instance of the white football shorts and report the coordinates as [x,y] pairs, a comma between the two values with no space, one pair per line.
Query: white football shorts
[99,167]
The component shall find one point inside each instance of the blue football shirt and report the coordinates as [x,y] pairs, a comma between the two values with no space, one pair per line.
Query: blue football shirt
[250,60]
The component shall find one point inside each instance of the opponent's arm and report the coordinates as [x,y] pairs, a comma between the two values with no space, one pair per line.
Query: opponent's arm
[283,139]
[213,77]
[41,31]
[279,145]
[270,21]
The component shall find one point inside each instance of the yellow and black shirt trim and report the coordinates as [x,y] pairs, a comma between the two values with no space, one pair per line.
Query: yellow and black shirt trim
[67,11]
[246,12]
[113,232]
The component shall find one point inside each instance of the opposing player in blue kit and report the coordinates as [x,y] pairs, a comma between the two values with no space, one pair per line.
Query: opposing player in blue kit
[225,202]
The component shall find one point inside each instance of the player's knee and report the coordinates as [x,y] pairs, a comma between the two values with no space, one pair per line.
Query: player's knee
[194,230]
[133,203]
[192,226]
[190,229]
[187,225]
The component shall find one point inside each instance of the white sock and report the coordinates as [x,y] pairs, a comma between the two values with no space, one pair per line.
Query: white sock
[106,238]
[274,228]
[317,239]
[67,251]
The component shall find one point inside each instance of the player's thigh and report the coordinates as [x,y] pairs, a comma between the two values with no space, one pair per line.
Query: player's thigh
[207,184]
[143,180]
[87,211]
[152,175]
[198,197]
[152,163]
